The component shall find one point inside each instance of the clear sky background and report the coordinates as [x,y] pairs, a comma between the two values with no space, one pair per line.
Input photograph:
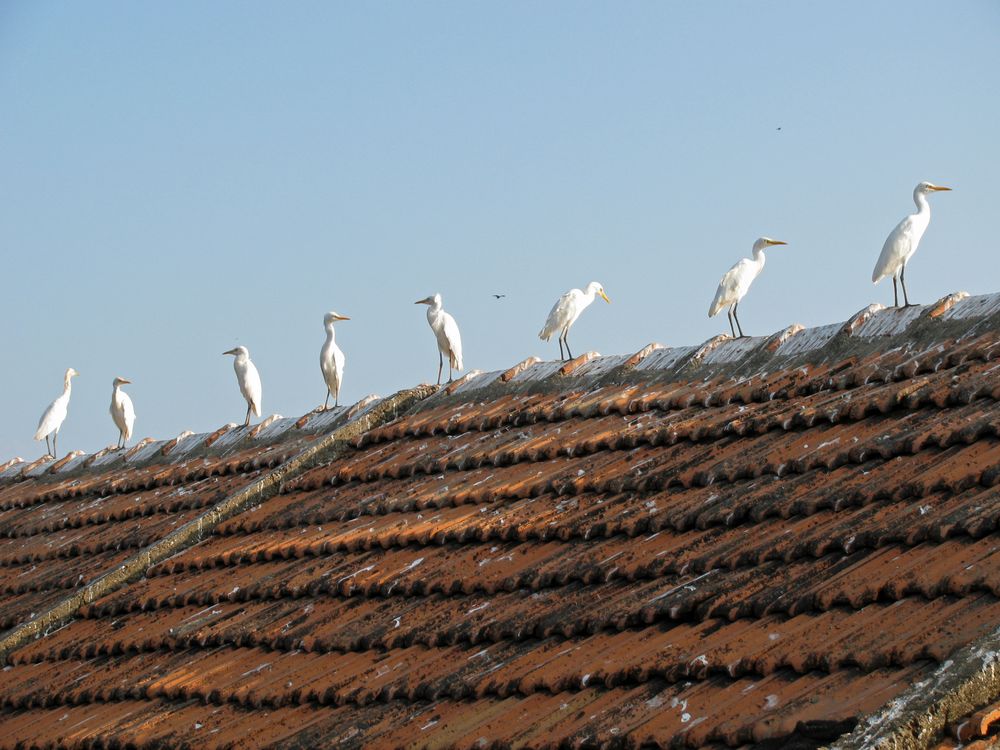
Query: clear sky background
[179,178]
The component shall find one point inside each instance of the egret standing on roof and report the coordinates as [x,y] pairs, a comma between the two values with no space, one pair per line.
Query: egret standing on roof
[445,329]
[122,411]
[737,281]
[52,417]
[902,242]
[331,360]
[565,312]
[249,380]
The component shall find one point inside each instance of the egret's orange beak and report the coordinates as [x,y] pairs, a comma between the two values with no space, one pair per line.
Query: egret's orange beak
[342,317]
[778,242]
[605,296]
[939,187]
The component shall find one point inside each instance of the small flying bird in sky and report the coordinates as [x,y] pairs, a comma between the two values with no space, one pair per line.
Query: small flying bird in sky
[249,380]
[331,360]
[449,340]
[737,281]
[122,411]
[499,296]
[565,312]
[902,242]
[55,414]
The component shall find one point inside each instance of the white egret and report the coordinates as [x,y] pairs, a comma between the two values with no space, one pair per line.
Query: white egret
[902,242]
[565,312]
[737,281]
[122,411]
[445,329]
[248,378]
[53,416]
[331,359]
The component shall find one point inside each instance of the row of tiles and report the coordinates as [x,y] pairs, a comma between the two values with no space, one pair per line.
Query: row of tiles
[453,609]
[732,712]
[813,396]
[394,560]
[687,462]
[168,641]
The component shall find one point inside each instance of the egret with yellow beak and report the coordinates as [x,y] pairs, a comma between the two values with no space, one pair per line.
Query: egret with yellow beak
[737,280]
[565,312]
[902,242]
[122,411]
[55,414]
[331,360]
[449,340]
[248,379]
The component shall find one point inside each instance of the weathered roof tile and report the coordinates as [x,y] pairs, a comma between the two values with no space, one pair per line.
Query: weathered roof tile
[752,542]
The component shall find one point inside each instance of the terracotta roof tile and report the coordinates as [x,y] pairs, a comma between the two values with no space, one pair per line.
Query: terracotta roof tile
[744,543]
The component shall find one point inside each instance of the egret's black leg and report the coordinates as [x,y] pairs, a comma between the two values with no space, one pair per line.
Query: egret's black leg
[247,422]
[737,319]
[729,314]
[561,356]
[55,437]
[440,366]
[336,397]
[569,354]
[326,403]
[48,448]
[902,283]
[895,293]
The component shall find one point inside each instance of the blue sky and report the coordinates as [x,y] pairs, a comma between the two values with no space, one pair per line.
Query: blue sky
[181,178]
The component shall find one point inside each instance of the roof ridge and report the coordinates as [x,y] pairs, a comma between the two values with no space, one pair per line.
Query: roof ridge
[868,329]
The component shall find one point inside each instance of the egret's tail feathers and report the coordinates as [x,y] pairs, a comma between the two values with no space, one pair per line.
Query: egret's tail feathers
[39,435]
[877,275]
[455,360]
[546,333]
[256,409]
[717,304]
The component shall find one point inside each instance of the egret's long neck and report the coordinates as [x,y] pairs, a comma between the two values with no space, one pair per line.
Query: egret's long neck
[758,256]
[923,205]
[67,385]
[330,336]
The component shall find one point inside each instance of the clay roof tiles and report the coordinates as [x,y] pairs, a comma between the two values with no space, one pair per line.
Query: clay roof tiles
[759,542]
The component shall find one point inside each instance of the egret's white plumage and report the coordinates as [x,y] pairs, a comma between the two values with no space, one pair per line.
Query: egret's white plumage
[565,312]
[249,380]
[55,414]
[331,359]
[122,411]
[737,280]
[449,340]
[902,242]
